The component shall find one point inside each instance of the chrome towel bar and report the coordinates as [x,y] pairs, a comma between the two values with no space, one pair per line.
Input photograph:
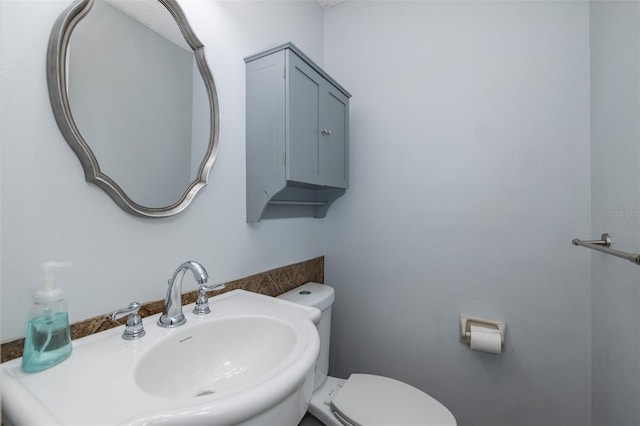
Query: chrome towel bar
[603,245]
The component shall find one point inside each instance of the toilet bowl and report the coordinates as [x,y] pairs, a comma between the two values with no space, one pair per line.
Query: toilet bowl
[362,399]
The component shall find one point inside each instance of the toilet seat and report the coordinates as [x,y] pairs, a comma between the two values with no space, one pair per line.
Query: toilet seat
[369,400]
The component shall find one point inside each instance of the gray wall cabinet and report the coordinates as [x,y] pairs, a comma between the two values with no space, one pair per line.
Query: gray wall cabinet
[297,136]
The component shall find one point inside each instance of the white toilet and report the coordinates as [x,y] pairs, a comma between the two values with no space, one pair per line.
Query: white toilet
[362,399]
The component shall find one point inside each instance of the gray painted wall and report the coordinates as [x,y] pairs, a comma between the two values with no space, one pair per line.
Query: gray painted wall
[470,167]
[615,144]
[50,213]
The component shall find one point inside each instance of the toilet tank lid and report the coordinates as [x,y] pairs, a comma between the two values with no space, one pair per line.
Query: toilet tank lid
[319,296]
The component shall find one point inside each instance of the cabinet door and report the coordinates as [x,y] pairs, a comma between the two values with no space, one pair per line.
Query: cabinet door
[334,137]
[304,87]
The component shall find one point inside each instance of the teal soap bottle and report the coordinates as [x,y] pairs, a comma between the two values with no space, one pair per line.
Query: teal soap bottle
[48,340]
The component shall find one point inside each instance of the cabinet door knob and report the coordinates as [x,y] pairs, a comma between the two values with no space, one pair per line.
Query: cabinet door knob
[325,131]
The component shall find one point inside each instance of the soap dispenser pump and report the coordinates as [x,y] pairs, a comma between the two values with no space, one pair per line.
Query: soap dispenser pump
[48,340]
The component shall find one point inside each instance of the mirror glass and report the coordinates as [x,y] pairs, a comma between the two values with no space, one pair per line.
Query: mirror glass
[138,93]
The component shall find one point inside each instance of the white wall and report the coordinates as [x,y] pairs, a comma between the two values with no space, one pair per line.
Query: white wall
[469,177]
[50,213]
[615,145]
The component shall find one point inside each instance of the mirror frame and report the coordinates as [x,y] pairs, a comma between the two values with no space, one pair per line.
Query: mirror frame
[56,81]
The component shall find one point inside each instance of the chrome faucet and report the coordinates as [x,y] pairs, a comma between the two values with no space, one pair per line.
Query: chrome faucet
[172,315]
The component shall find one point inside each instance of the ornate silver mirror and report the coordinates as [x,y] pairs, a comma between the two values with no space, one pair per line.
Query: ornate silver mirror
[134,98]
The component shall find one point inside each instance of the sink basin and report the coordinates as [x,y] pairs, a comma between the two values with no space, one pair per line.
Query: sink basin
[249,362]
[224,355]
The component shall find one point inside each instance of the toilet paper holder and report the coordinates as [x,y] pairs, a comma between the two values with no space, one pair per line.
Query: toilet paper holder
[466,321]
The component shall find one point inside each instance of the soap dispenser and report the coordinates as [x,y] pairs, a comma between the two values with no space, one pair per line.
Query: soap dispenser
[48,340]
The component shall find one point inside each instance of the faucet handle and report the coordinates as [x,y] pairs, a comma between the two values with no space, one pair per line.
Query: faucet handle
[202,303]
[134,328]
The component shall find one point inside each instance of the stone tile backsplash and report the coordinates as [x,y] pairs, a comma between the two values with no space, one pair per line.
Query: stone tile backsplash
[271,283]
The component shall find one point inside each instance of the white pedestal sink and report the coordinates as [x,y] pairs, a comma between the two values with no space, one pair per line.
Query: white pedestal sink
[249,362]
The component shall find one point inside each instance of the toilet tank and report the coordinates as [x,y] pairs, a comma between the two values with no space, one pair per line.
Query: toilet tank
[319,296]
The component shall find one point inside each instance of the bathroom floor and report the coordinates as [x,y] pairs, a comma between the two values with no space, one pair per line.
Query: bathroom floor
[309,420]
